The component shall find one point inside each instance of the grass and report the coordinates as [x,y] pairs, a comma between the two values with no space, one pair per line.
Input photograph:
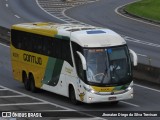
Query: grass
[145,8]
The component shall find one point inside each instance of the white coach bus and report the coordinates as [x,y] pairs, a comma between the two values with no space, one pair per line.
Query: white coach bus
[85,63]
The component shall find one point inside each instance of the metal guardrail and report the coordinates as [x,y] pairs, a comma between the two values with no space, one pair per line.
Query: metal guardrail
[4,35]
[147,57]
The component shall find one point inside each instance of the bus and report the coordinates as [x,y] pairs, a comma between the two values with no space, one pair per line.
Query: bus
[85,63]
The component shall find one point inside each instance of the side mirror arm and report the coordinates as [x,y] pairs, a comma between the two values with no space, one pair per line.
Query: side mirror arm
[135,58]
[83,60]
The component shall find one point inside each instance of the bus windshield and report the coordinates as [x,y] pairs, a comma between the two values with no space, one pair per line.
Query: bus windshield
[108,66]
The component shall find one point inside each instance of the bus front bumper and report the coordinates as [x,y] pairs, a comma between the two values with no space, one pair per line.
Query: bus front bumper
[97,98]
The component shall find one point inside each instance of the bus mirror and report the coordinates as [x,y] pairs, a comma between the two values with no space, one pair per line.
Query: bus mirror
[134,56]
[83,60]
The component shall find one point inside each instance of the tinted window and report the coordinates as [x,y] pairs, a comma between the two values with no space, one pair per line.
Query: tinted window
[49,46]
[78,62]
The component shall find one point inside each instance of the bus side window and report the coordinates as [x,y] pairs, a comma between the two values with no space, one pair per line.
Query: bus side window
[47,46]
[66,52]
[15,38]
[41,40]
[79,67]
[52,47]
[60,49]
[77,60]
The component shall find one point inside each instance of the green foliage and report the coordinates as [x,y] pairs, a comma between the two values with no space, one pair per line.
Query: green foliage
[145,8]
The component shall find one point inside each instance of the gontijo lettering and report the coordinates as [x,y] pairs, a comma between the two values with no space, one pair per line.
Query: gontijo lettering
[32,59]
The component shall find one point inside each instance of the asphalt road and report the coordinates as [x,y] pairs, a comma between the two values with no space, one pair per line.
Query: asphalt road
[146,98]
[144,38]
[19,11]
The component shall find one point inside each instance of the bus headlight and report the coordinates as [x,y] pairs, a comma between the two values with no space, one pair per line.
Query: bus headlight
[88,89]
[92,91]
[131,85]
[129,88]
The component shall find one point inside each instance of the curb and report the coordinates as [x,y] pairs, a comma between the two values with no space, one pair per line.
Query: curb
[122,12]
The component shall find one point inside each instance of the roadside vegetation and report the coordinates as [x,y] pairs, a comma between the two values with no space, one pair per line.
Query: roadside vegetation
[145,8]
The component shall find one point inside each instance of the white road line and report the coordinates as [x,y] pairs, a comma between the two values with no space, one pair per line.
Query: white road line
[63,13]
[12,96]
[143,42]
[6,5]
[130,104]
[116,11]
[142,55]
[49,13]
[16,104]
[3,89]
[38,99]
[4,45]
[147,88]
[17,16]
[140,41]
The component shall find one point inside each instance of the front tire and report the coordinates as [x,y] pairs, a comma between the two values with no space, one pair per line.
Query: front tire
[72,96]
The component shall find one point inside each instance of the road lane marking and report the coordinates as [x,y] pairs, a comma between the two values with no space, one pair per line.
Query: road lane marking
[116,11]
[17,16]
[140,41]
[130,104]
[147,88]
[73,20]
[16,104]
[37,98]
[142,55]
[4,45]
[12,96]
[6,5]
[48,12]
[3,89]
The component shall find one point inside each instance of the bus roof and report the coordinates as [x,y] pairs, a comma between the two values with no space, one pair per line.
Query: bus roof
[86,36]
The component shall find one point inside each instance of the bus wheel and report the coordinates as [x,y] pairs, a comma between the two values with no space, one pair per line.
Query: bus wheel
[32,83]
[26,82]
[72,95]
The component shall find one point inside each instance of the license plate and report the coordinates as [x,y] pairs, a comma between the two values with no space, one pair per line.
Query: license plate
[112,98]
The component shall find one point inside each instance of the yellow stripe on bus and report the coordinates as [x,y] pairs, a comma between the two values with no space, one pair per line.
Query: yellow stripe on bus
[102,89]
